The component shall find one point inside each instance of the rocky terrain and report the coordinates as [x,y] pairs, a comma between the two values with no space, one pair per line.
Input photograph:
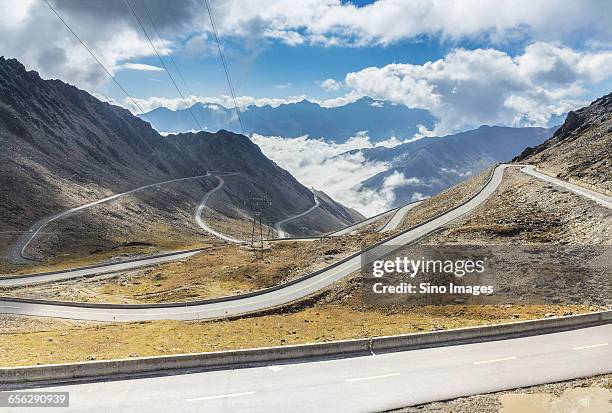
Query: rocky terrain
[63,147]
[594,394]
[581,149]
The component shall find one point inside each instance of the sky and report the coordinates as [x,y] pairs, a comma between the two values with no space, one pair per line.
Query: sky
[468,62]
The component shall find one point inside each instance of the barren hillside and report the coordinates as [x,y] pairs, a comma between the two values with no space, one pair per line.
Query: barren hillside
[581,149]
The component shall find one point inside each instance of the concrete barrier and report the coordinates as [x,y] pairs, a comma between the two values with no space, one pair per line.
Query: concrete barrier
[15,377]
[492,332]
[203,361]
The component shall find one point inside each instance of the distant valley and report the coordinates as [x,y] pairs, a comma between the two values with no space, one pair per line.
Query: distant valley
[428,166]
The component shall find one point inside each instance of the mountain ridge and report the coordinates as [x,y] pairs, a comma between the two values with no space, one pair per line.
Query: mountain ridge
[62,147]
[433,164]
[581,149]
[380,119]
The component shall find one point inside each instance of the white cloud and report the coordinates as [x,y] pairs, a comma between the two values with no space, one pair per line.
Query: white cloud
[140,66]
[226,101]
[283,86]
[326,166]
[350,97]
[289,37]
[30,32]
[468,88]
[332,22]
[330,85]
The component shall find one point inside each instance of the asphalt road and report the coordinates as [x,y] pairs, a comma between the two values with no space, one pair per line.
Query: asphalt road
[198,214]
[17,252]
[279,225]
[241,305]
[360,384]
[598,197]
[398,217]
[360,224]
[12,281]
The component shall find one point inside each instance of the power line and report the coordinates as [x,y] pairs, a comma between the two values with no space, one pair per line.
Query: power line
[162,62]
[225,68]
[100,63]
[170,55]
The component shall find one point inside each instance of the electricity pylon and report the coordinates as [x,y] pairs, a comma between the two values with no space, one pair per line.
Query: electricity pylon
[257,205]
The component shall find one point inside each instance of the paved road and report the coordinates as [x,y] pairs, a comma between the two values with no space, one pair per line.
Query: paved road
[360,224]
[198,214]
[243,304]
[17,280]
[361,384]
[17,252]
[278,226]
[398,217]
[598,197]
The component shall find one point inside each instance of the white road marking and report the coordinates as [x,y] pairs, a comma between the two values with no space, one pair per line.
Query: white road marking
[591,346]
[275,368]
[372,377]
[220,396]
[495,360]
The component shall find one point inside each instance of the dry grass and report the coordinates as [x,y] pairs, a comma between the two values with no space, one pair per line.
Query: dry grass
[42,341]
[128,250]
[218,271]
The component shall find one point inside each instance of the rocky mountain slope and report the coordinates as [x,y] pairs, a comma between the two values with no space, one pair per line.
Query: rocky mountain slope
[381,119]
[581,149]
[431,165]
[62,147]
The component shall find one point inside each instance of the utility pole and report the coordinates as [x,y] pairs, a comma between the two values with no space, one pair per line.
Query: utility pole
[257,205]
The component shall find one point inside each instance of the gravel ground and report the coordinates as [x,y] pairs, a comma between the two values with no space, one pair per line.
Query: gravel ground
[595,389]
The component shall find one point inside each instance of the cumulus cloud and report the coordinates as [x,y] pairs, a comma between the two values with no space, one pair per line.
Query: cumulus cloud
[327,166]
[30,31]
[333,22]
[464,89]
[330,85]
[468,88]
[383,198]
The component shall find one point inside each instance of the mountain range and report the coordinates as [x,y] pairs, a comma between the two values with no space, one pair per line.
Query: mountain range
[430,165]
[380,119]
[62,147]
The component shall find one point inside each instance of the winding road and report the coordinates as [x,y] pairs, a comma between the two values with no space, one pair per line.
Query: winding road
[200,210]
[598,197]
[17,252]
[398,217]
[353,384]
[251,302]
[397,214]
[246,303]
[279,224]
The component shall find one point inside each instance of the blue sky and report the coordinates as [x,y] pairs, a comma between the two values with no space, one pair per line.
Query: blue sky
[509,62]
[278,70]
